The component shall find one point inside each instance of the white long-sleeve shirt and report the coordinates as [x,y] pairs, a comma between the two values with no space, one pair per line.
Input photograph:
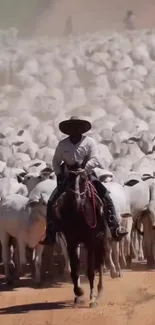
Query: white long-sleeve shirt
[85,150]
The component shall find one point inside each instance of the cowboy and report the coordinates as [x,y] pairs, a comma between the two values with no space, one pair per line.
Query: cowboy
[129,20]
[69,26]
[81,150]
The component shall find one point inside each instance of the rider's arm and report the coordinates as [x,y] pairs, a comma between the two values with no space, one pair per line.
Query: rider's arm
[57,160]
[93,160]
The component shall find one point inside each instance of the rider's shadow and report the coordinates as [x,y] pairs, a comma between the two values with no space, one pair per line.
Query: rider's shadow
[21,309]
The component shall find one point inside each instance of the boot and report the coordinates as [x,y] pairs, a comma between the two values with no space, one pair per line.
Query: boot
[50,230]
[50,238]
[50,226]
[117,231]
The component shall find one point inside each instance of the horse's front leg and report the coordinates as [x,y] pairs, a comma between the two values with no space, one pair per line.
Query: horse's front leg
[100,284]
[91,276]
[75,269]
[61,240]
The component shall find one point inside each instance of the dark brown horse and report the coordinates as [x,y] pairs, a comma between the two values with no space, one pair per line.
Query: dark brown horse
[79,217]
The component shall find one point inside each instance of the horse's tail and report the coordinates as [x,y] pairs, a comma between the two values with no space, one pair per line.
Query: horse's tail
[99,252]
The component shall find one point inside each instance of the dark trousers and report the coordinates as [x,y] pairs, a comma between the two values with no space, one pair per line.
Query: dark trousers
[51,227]
[53,198]
[110,209]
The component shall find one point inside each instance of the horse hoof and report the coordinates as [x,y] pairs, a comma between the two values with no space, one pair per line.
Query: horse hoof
[17,278]
[38,283]
[9,282]
[119,275]
[113,275]
[93,304]
[105,269]
[78,301]
[79,292]
[150,266]
[66,277]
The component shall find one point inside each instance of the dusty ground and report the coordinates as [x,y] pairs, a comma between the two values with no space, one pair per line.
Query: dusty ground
[129,300]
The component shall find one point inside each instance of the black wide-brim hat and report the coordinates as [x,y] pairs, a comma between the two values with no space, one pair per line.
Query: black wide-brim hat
[74,126]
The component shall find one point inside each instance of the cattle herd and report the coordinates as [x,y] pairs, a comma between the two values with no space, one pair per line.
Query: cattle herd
[108,78]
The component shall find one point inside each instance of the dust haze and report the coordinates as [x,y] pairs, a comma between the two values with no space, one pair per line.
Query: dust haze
[48,17]
[61,58]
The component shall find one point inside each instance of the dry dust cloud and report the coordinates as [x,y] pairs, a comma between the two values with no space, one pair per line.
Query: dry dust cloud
[49,17]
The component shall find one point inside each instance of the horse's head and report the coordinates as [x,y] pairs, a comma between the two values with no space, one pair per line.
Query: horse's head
[77,184]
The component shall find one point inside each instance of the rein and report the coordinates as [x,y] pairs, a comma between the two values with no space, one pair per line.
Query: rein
[94,205]
[88,186]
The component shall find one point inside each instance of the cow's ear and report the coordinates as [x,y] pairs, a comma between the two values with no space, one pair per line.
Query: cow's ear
[19,179]
[33,203]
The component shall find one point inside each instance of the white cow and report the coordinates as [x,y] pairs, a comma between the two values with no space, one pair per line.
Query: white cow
[146,219]
[141,194]
[114,250]
[44,189]
[123,214]
[23,219]
[104,175]
[11,172]
[10,185]
[31,179]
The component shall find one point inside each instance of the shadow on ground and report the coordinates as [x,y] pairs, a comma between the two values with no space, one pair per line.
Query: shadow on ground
[56,281]
[28,283]
[21,309]
[141,267]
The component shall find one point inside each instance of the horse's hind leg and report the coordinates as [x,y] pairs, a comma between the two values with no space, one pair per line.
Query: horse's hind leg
[91,276]
[115,255]
[100,284]
[99,259]
[75,268]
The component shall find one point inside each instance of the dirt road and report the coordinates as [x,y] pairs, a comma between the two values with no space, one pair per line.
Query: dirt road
[129,300]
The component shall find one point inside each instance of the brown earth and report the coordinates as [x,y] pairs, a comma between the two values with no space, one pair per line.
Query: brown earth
[126,301]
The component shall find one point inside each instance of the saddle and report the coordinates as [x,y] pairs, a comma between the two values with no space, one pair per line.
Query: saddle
[90,203]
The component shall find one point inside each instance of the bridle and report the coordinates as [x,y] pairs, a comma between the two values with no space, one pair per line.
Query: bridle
[82,195]
[78,173]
